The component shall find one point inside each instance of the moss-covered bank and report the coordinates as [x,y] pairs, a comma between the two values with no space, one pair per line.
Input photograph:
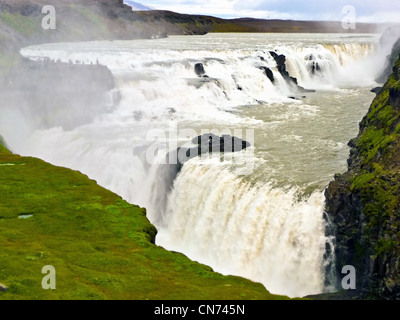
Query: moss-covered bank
[101,246]
[364,203]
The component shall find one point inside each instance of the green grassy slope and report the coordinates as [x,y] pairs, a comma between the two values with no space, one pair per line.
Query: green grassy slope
[100,245]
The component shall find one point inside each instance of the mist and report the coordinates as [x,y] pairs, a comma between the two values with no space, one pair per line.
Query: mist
[43,95]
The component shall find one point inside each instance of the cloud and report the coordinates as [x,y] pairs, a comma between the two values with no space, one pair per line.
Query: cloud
[366,10]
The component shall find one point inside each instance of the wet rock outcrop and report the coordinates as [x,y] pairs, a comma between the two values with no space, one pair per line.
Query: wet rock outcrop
[199,69]
[363,204]
[206,143]
[280,60]
[268,72]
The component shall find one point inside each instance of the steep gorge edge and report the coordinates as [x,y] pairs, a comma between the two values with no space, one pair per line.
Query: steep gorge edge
[101,246]
[363,204]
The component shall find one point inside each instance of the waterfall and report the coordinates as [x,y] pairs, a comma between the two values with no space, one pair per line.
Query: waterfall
[261,232]
[269,231]
[234,76]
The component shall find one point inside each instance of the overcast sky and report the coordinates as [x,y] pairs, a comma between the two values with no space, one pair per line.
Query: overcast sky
[366,10]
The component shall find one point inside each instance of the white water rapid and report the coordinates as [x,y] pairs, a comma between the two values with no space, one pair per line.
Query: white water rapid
[266,225]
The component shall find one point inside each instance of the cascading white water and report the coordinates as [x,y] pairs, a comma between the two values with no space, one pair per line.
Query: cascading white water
[147,74]
[267,226]
[264,233]
[333,65]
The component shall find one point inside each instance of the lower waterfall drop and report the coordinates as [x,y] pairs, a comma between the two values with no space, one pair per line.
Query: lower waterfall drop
[257,231]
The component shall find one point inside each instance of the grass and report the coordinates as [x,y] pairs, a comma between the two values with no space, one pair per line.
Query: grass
[378,180]
[100,245]
[3,149]
[228,27]
[26,26]
[98,22]
[8,60]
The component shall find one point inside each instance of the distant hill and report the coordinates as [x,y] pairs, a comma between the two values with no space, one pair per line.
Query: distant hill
[195,24]
[77,20]
[137,6]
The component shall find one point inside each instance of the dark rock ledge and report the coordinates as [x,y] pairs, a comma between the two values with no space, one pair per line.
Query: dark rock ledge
[363,204]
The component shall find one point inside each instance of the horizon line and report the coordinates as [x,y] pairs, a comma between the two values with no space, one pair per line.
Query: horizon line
[263,19]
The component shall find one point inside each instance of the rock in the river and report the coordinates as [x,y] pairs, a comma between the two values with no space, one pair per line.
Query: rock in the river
[208,143]
[315,67]
[268,72]
[199,69]
[297,97]
[280,60]
[213,143]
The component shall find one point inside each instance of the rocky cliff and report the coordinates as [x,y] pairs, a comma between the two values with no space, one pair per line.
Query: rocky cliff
[364,203]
